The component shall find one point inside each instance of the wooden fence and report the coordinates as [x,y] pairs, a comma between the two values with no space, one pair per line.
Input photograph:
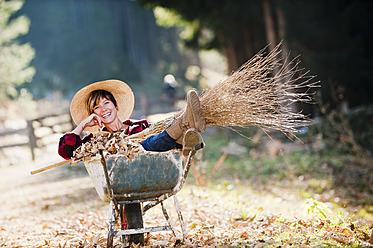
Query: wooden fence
[36,130]
[62,123]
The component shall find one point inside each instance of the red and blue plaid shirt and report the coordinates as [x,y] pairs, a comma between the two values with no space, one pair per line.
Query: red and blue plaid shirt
[70,141]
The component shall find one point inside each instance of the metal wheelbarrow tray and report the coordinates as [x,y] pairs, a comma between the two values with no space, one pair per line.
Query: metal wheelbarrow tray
[126,184]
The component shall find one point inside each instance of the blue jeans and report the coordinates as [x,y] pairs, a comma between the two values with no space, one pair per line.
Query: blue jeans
[160,143]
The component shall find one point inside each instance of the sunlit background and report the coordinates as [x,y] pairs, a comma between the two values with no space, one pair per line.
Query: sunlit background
[49,49]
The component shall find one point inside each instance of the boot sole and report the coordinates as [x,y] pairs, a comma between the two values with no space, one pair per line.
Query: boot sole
[191,139]
[193,100]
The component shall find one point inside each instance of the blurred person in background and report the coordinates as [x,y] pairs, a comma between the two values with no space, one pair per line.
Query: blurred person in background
[169,89]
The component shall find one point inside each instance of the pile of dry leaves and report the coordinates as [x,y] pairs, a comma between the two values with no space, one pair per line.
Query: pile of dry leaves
[113,143]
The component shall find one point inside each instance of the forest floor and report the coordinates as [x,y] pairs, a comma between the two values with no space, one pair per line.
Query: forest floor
[60,208]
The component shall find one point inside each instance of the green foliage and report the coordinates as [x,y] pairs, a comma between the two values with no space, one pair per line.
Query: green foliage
[349,132]
[15,57]
[214,24]
[333,37]
[224,16]
[315,207]
[321,166]
[78,43]
[169,18]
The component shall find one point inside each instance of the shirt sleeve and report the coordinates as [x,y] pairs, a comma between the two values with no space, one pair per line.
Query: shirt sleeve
[136,126]
[69,142]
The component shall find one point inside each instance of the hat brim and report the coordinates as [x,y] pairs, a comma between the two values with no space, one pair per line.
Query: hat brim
[121,92]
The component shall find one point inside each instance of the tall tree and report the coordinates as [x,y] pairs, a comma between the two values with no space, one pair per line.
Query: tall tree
[334,37]
[15,58]
[235,27]
[335,40]
[78,42]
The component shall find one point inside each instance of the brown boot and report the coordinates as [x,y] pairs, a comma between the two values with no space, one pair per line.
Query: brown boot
[191,118]
[191,139]
[175,130]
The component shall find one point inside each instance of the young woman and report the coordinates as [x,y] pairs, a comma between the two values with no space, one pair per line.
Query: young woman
[104,105]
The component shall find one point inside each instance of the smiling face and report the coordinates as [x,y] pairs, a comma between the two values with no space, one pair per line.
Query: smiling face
[103,104]
[106,110]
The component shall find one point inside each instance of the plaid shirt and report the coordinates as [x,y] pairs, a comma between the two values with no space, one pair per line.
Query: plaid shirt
[70,141]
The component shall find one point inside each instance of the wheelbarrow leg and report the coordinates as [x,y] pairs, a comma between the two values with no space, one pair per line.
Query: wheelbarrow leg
[177,206]
[111,225]
[170,224]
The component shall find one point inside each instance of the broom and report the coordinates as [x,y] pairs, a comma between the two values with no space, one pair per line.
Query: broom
[261,93]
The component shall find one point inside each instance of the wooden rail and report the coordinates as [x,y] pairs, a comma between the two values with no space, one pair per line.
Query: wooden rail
[30,131]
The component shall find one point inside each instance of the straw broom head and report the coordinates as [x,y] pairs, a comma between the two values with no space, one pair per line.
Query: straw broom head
[260,93]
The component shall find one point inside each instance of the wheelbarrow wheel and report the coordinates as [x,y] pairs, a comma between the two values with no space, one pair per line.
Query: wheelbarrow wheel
[134,221]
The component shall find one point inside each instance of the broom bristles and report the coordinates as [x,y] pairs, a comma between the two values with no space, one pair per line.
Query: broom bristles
[261,93]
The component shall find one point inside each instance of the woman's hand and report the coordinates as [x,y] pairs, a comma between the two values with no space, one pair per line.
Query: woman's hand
[90,121]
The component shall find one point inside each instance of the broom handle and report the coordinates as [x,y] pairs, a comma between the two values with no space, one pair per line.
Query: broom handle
[50,166]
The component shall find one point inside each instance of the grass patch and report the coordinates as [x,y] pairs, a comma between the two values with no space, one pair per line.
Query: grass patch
[315,170]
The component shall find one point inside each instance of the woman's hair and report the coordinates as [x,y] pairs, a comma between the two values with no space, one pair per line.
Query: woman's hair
[95,97]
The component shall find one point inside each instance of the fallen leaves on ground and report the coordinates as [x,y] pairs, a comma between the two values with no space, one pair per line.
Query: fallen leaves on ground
[61,209]
[213,218]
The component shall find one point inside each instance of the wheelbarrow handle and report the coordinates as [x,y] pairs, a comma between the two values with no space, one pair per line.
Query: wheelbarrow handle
[51,166]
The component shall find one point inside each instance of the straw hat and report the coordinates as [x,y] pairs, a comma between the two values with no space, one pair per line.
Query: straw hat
[121,92]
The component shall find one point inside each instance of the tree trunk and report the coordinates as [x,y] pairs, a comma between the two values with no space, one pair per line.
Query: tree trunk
[269,25]
[237,52]
[275,26]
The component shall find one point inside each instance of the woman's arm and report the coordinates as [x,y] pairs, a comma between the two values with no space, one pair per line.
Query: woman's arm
[70,141]
[90,121]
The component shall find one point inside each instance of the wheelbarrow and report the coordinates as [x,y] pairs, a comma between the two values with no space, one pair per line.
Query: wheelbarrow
[133,187]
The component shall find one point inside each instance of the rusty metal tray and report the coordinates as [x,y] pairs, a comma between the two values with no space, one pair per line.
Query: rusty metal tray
[142,178]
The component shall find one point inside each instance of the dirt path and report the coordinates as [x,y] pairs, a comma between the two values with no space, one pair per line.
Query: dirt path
[60,208]
[29,203]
